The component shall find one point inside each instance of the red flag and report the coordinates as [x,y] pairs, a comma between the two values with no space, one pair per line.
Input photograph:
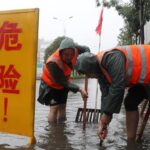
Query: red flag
[99,26]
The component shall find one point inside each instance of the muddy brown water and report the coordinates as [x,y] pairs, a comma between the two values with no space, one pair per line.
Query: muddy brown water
[70,135]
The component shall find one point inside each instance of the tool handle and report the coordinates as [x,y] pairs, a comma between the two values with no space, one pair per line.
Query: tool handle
[101,142]
[86,84]
[143,124]
[85,103]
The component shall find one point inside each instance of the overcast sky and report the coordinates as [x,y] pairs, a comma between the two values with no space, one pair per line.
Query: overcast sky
[81,27]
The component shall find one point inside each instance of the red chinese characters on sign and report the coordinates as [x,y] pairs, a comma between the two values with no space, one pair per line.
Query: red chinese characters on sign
[9,78]
[9,36]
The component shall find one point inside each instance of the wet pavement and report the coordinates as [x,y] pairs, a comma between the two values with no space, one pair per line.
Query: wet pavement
[70,135]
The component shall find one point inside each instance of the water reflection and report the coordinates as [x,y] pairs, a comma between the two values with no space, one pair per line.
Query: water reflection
[55,138]
[131,145]
[70,135]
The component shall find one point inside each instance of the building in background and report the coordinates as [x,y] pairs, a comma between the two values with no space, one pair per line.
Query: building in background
[42,45]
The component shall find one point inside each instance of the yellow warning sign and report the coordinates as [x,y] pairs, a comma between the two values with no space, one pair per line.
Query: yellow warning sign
[18,52]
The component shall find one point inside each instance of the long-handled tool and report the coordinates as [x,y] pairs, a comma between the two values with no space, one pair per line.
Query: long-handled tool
[143,107]
[143,124]
[87,115]
[92,116]
[85,104]
[95,110]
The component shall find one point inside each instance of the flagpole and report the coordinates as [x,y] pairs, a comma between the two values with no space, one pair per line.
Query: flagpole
[98,31]
[99,45]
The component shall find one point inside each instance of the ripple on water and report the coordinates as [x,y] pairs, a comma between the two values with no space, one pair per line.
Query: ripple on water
[70,135]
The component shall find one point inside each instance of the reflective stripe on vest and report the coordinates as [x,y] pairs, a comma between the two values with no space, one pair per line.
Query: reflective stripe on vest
[99,57]
[137,65]
[46,75]
[58,62]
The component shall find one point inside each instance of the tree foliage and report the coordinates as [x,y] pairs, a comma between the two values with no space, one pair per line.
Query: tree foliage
[135,14]
[53,47]
[124,37]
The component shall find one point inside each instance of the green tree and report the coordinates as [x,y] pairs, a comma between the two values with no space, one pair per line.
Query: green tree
[144,15]
[135,15]
[124,37]
[53,47]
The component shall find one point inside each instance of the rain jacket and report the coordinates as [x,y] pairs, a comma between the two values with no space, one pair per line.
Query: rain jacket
[118,68]
[56,74]
[49,78]
[124,68]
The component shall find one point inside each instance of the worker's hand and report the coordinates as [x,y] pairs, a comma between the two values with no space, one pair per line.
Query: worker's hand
[84,94]
[102,128]
[102,131]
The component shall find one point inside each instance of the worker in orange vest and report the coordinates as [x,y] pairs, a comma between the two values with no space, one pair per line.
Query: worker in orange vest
[55,80]
[116,69]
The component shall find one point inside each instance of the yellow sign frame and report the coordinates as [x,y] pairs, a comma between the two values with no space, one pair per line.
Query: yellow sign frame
[18,57]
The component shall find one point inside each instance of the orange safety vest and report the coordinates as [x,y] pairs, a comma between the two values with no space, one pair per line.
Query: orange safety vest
[137,64]
[55,57]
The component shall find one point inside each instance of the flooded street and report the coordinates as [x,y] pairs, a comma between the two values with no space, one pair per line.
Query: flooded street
[70,135]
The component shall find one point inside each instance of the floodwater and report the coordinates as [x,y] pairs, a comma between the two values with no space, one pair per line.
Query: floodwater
[70,135]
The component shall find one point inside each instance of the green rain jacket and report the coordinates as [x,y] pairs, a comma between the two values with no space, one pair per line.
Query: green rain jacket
[114,63]
[58,74]
[112,94]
